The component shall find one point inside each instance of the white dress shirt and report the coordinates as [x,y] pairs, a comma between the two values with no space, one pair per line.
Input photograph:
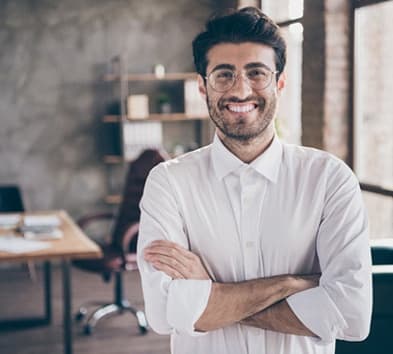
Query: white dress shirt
[293,210]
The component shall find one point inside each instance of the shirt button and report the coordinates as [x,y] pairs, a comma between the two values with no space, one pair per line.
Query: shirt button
[250,244]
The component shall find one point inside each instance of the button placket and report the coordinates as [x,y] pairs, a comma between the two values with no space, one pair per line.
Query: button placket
[248,216]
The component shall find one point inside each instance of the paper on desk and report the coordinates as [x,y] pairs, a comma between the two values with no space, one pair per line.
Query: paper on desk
[41,220]
[54,234]
[9,220]
[15,244]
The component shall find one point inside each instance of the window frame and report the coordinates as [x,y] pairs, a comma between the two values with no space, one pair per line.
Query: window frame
[367,187]
[285,24]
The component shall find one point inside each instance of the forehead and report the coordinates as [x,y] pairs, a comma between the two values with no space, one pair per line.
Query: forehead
[240,54]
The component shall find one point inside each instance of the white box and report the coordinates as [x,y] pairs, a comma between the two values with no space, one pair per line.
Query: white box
[137,106]
[195,105]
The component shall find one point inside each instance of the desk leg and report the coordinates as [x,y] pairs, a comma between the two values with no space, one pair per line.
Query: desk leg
[48,291]
[28,322]
[67,323]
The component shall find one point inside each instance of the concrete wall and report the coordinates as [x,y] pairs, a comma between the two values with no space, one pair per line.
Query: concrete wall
[51,97]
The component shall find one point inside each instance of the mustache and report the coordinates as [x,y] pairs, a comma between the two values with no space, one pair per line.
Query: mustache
[225,101]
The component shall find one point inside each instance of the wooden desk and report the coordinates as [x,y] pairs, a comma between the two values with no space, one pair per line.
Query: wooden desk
[74,244]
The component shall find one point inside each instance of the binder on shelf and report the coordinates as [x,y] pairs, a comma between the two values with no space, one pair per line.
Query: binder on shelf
[138,136]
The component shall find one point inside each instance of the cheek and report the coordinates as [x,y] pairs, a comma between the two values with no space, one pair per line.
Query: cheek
[271,96]
[214,99]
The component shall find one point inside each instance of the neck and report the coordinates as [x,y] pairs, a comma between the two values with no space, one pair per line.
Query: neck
[249,150]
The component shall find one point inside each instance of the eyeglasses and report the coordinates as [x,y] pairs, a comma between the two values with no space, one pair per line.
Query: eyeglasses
[222,80]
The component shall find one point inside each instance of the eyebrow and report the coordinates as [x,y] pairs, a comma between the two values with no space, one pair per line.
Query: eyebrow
[257,65]
[252,65]
[224,66]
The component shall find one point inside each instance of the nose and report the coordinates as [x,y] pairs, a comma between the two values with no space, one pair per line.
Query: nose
[241,89]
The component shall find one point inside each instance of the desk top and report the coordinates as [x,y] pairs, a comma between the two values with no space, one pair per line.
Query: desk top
[73,244]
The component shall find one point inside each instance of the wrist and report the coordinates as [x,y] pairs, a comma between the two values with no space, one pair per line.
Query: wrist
[304,282]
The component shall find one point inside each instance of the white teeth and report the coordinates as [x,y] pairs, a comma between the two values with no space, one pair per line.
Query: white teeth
[241,108]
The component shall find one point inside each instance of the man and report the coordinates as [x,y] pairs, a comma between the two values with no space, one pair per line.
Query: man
[250,245]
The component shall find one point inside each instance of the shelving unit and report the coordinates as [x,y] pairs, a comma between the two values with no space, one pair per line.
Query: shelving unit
[157,128]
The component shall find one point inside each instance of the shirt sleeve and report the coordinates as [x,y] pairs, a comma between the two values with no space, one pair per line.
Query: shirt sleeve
[340,307]
[171,305]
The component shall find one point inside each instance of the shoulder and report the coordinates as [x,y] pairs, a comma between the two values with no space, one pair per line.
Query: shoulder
[182,166]
[313,160]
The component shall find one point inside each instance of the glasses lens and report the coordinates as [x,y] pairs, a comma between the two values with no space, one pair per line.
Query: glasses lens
[259,78]
[222,79]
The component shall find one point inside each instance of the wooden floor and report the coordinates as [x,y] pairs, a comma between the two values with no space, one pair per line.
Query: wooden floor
[118,335]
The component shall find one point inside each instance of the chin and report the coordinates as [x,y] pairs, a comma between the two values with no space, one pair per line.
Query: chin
[245,133]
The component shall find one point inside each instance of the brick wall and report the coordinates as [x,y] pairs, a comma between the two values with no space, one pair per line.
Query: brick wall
[313,83]
[326,65]
[337,112]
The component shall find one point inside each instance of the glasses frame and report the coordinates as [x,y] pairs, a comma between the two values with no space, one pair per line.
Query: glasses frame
[236,76]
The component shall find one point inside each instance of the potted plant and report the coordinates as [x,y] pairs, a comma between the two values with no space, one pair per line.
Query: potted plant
[164,103]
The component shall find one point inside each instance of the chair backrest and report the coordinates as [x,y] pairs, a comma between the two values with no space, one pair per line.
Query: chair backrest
[382,254]
[129,211]
[10,199]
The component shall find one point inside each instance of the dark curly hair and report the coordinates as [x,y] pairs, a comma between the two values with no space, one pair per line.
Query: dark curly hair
[248,24]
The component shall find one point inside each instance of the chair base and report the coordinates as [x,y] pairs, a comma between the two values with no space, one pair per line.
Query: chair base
[107,310]
[118,307]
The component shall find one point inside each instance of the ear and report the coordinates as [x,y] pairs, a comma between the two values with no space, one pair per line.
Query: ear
[202,87]
[282,80]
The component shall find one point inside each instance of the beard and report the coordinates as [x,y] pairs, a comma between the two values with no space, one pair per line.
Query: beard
[240,129]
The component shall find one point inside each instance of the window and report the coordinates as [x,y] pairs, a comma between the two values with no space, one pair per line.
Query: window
[373,111]
[288,14]
[283,10]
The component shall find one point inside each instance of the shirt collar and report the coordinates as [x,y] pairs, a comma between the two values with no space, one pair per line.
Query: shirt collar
[266,164]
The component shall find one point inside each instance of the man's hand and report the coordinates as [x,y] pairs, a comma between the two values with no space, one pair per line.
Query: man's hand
[175,261]
[279,318]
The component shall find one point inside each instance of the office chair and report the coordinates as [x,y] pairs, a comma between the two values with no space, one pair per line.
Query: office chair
[11,202]
[379,339]
[11,199]
[119,254]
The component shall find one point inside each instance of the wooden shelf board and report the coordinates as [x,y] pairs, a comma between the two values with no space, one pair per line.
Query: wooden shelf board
[169,117]
[111,119]
[113,159]
[152,77]
[154,117]
[113,199]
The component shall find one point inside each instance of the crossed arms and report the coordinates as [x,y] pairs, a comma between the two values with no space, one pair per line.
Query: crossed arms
[259,303]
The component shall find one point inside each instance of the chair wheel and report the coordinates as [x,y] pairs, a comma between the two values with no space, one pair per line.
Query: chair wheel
[142,330]
[79,316]
[88,329]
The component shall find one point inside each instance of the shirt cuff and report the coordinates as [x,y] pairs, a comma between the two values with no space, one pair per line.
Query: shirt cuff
[316,310]
[187,299]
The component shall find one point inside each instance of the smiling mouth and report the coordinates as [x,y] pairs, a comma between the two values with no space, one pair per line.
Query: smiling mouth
[241,108]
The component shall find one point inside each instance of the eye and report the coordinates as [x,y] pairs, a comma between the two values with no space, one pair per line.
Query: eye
[223,75]
[258,74]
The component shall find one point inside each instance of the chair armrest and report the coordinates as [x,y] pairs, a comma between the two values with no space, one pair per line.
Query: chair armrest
[130,234]
[84,221]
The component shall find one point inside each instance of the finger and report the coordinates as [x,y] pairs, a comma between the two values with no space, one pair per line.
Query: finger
[173,245]
[173,273]
[163,243]
[179,255]
[169,261]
